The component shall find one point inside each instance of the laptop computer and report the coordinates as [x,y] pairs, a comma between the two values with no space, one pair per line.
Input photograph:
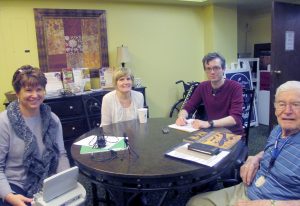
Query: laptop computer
[60,183]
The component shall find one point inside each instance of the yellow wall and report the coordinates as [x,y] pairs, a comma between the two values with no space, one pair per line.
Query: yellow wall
[221,31]
[225,32]
[166,43]
[208,18]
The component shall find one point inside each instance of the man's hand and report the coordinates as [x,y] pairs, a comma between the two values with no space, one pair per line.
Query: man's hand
[17,200]
[181,121]
[199,124]
[253,203]
[249,168]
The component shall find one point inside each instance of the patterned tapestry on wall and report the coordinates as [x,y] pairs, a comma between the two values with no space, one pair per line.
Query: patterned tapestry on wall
[80,38]
[71,41]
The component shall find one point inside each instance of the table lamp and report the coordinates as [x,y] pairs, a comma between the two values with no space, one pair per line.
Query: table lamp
[122,55]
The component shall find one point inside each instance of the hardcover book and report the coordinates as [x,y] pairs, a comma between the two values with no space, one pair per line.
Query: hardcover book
[95,78]
[82,78]
[54,83]
[106,77]
[86,79]
[67,78]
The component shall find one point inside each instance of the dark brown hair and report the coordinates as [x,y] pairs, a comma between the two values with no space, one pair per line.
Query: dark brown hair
[211,56]
[28,76]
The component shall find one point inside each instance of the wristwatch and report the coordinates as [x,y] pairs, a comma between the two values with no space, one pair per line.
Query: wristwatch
[211,123]
[273,202]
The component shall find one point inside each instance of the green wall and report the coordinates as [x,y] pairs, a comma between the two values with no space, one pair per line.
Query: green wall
[166,43]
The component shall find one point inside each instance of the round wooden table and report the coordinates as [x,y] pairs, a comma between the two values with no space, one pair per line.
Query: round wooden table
[129,176]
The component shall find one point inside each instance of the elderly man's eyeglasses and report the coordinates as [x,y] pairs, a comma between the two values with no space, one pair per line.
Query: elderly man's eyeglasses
[282,105]
[215,68]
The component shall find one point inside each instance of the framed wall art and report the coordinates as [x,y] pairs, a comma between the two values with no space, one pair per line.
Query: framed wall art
[71,38]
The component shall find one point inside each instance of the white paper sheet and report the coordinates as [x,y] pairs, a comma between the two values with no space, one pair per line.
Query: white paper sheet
[187,128]
[182,152]
[91,140]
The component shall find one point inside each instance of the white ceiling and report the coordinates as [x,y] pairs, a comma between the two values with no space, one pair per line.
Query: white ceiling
[250,5]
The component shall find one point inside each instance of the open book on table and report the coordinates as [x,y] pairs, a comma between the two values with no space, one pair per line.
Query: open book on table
[223,140]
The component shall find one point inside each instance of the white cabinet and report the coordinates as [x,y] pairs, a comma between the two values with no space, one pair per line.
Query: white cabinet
[253,65]
[263,107]
[262,97]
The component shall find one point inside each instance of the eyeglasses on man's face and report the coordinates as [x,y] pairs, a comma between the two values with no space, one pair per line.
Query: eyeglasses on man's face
[214,68]
[280,105]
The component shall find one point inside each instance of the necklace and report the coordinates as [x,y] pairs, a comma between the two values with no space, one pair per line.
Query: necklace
[214,91]
[274,154]
[124,99]
[216,88]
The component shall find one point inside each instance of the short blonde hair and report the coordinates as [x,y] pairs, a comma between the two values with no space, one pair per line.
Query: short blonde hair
[122,72]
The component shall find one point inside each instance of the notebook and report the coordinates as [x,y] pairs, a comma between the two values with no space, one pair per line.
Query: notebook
[60,183]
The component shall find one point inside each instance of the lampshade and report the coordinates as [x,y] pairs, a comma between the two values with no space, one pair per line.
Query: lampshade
[122,55]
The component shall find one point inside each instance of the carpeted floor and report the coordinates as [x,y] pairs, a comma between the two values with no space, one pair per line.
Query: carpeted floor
[257,139]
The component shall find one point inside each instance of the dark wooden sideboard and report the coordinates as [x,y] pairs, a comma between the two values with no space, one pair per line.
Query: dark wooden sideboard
[79,113]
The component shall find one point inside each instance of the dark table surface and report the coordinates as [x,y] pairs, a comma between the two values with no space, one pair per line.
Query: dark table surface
[150,143]
[151,178]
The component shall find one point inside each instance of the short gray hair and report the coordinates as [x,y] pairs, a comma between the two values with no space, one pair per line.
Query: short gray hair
[287,86]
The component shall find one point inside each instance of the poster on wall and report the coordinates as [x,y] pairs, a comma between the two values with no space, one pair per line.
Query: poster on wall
[243,76]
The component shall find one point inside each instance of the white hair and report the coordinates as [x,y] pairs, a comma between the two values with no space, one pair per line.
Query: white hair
[287,86]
